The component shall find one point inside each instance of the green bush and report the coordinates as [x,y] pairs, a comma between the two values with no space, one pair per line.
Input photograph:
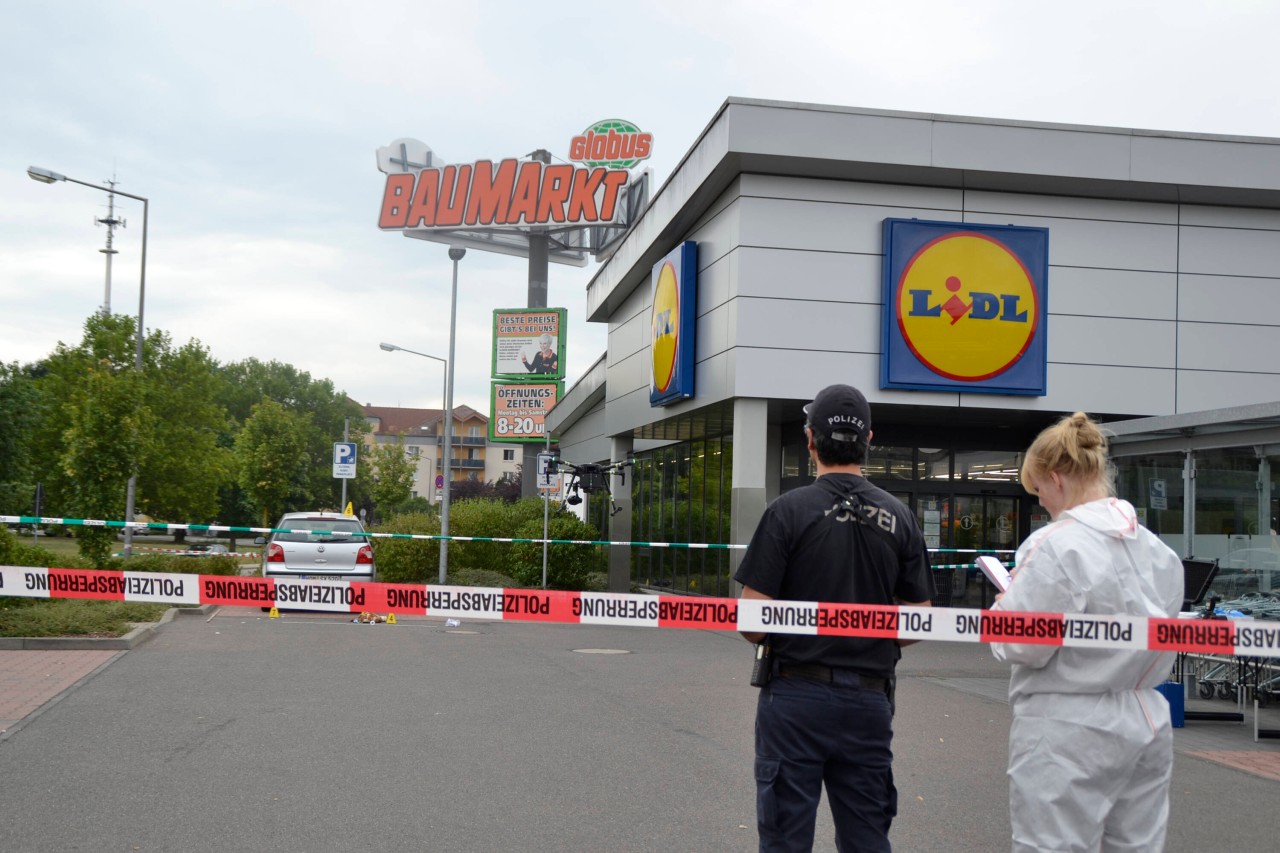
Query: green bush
[408,560]
[494,564]
[490,518]
[15,552]
[64,617]
[213,564]
[568,566]
[481,577]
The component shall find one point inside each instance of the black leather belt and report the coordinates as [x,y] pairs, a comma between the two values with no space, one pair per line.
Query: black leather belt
[818,672]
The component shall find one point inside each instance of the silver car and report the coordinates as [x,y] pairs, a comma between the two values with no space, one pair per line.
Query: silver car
[329,550]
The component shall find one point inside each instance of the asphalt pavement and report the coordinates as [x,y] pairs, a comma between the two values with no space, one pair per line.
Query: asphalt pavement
[230,731]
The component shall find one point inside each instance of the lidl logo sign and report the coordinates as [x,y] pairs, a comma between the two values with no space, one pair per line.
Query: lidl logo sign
[671,325]
[965,307]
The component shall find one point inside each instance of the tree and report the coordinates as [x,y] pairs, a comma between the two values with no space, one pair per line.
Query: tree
[393,476]
[273,459]
[181,475]
[18,416]
[107,346]
[250,382]
[108,431]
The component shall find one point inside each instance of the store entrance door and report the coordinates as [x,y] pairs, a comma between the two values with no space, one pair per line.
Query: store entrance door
[955,525]
[982,523]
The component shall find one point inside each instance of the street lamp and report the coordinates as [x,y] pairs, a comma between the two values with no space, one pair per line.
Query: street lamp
[46,176]
[456,254]
[447,414]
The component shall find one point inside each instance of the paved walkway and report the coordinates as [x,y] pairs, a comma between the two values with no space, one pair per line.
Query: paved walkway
[31,680]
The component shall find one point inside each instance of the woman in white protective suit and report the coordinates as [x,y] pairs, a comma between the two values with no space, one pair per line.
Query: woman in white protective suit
[1090,748]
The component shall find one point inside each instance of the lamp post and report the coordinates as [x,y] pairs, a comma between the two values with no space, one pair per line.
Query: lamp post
[447,413]
[45,176]
[456,254]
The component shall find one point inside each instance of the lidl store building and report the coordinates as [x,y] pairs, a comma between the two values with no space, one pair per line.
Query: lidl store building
[977,279]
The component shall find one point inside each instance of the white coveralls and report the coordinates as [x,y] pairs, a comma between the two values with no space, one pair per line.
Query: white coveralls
[1090,748]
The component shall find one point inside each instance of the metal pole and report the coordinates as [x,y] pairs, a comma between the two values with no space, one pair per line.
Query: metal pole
[346,436]
[455,254]
[132,490]
[546,519]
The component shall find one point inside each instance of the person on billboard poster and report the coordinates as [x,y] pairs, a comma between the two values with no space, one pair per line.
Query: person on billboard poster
[545,360]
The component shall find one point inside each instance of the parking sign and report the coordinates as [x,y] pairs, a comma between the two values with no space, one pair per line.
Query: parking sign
[344,460]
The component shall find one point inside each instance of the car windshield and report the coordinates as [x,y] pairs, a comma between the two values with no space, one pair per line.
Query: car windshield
[321,530]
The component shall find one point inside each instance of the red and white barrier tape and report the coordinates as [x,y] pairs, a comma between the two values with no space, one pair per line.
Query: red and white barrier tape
[965,625]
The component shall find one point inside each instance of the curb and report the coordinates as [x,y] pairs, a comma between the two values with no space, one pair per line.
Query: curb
[131,640]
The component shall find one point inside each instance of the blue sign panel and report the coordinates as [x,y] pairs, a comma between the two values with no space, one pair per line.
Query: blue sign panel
[672,321]
[965,307]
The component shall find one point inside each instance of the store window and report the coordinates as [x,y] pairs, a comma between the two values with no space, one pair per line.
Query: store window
[989,466]
[1153,484]
[681,494]
[889,463]
[933,464]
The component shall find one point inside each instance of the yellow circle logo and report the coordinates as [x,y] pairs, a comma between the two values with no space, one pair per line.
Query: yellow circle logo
[665,325]
[967,306]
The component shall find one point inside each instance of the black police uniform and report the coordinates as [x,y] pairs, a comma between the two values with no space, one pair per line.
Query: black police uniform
[825,716]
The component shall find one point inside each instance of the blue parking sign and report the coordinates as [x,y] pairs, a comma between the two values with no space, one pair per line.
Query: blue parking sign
[344,460]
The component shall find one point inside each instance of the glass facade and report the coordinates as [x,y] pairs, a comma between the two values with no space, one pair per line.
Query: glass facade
[1234,494]
[681,493]
[966,500]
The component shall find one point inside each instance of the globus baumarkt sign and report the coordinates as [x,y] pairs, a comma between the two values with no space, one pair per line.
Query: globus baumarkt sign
[423,193]
[520,410]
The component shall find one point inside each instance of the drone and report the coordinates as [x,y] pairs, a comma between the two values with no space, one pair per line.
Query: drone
[591,478]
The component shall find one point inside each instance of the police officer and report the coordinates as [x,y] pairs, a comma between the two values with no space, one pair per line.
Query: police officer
[825,716]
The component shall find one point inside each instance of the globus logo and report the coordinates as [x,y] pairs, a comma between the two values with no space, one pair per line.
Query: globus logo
[967,306]
[613,144]
[665,327]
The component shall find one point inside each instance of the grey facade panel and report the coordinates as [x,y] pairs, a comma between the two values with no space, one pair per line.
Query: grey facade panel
[1229,299]
[1105,292]
[815,276]
[1106,244]
[1112,341]
[1229,347]
[853,192]
[824,226]
[1230,251]
[1068,207]
[1199,390]
[1106,388]
[1229,217]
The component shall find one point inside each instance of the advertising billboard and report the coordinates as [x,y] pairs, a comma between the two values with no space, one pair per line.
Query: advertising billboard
[520,410]
[528,343]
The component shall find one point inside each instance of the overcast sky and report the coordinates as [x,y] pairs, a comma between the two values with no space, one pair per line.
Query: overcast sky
[252,128]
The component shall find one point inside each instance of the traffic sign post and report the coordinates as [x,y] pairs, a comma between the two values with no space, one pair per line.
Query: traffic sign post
[548,476]
[344,460]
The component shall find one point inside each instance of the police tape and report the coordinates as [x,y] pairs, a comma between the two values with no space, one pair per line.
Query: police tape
[1208,636]
[215,528]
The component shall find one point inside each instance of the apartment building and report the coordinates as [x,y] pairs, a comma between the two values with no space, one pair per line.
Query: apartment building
[474,457]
